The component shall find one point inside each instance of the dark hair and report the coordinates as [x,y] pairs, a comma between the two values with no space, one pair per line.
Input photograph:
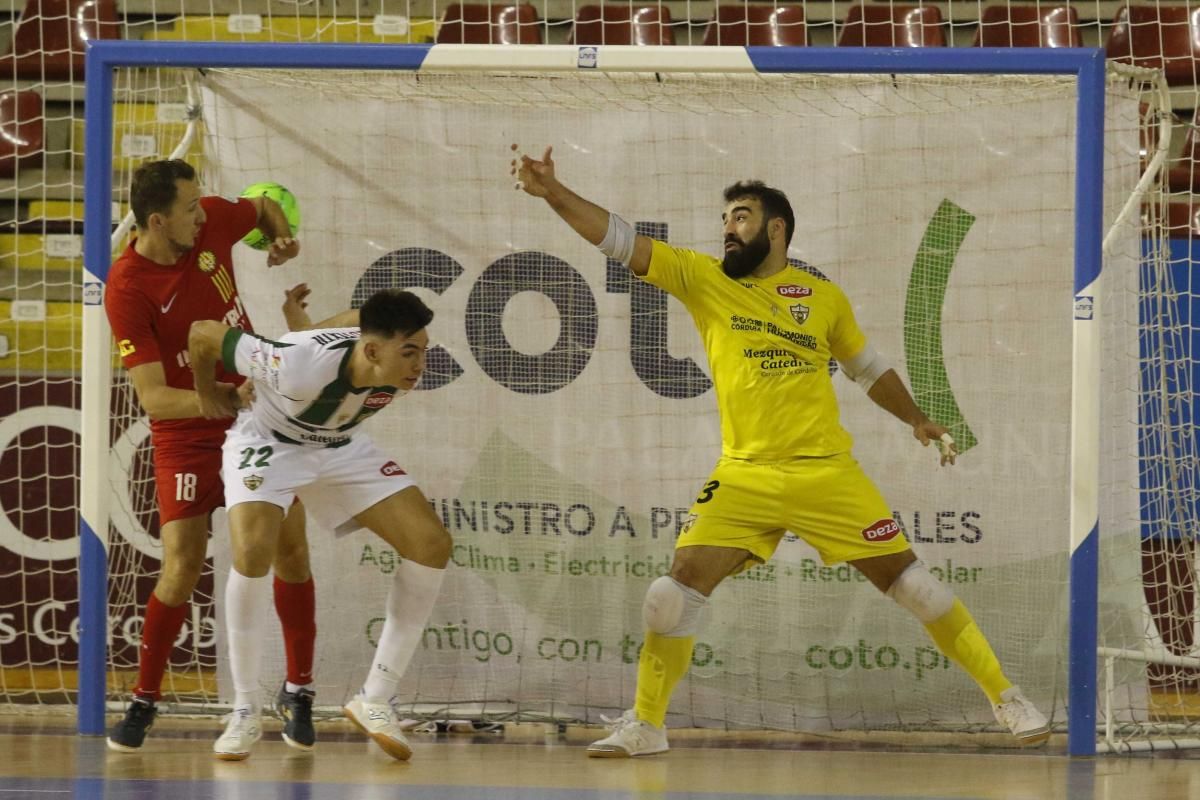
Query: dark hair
[774,203]
[392,311]
[153,190]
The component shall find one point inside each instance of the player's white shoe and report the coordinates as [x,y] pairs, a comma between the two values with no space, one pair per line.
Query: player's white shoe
[241,732]
[630,737]
[378,721]
[1016,713]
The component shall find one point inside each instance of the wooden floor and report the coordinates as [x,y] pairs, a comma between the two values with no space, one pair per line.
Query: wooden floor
[44,759]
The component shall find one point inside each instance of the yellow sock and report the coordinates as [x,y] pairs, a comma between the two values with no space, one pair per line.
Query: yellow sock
[959,638]
[664,660]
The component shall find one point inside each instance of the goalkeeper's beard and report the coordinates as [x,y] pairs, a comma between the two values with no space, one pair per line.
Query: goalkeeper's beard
[741,262]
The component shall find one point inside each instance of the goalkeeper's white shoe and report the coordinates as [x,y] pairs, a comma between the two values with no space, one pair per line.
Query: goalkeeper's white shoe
[378,721]
[243,730]
[1016,713]
[630,737]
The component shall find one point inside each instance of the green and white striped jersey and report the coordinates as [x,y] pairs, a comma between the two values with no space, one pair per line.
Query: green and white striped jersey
[302,384]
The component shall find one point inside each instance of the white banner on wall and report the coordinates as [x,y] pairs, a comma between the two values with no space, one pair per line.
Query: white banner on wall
[566,424]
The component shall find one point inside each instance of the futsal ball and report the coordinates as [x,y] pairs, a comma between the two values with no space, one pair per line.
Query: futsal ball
[286,200]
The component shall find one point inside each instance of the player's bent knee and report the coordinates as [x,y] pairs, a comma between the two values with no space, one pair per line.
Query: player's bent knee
[672,609]
[927,598]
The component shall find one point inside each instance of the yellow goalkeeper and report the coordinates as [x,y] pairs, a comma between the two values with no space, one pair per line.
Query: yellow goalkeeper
[769,330]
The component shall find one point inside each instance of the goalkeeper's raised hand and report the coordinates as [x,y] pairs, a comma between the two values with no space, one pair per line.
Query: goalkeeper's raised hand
[534,177]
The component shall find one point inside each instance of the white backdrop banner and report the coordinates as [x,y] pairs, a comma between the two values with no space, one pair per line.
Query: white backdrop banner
[567,421]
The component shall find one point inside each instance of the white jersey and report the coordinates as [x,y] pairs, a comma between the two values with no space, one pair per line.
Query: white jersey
[302,385]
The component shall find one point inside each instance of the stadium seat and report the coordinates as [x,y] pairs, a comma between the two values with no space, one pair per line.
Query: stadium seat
[745,25]
[38,346]
[613,24]
[484,23]
[22,131]
[1185,175]
[50,39]
[1183,221]
[892,26]
[256,28]
[1028,26]
[142,131]
[1162,37]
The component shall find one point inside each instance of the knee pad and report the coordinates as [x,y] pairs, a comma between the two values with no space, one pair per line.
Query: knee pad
[923,595]
[672,609]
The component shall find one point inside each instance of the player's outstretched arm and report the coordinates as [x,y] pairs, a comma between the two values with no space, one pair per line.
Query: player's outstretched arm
[274,224]
[610,233]
[161,401]
[295,307]
[295,311]
[890,394]
[204,346]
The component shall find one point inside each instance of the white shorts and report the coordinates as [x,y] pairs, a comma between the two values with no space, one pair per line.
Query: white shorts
[335,483]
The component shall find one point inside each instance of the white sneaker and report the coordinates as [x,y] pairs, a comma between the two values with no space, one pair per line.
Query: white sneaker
[242,731]
[1016,713]
[379,722]
[630,737]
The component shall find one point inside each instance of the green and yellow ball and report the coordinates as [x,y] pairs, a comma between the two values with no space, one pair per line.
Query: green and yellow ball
[286,200]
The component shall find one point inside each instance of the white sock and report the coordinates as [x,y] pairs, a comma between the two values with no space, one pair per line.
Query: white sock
[409,603]
[247,607]
[295,687]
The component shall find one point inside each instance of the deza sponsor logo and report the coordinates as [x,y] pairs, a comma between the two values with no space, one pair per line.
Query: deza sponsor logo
[377,400]
[391,468]
[792,290]
[882,531]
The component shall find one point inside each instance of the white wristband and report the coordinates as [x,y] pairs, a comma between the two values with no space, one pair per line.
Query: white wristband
[618,242]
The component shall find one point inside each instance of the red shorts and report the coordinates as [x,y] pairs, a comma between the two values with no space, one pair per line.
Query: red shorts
[187,477]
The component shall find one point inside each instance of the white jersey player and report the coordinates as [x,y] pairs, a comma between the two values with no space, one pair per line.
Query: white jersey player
[313,389]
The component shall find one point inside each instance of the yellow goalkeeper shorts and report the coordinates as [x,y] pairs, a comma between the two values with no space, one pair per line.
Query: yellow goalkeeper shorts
[829,502]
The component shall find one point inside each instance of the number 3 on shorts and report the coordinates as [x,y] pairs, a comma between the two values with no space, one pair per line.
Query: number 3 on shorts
[707,493]
[264,457]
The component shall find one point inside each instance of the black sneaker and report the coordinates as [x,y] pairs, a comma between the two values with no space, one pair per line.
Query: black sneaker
[295,708]
[128,734]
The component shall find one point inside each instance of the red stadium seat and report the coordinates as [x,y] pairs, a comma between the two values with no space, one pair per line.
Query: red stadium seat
[50,39]
[485,23]
[1185,175]
[1028,26]
[22,131]
[1183,221]
[744,25]
[614,24]
[1158,37]
[892,26]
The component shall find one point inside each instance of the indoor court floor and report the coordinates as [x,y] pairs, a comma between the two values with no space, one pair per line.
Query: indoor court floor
[44,760]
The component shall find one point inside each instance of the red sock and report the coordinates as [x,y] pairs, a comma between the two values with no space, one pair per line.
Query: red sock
[296,605]
[159,630]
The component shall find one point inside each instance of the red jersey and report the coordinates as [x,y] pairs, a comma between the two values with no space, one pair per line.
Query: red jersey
[151,307]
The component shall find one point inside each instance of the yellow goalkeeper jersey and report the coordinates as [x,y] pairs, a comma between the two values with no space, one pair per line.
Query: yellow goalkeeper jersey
[769,342]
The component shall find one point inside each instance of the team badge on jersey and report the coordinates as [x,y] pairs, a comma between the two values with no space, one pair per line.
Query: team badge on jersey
[252,481]
[206,261]
[799,313]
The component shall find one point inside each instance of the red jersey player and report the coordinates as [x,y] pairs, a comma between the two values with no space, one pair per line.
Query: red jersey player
[177,270]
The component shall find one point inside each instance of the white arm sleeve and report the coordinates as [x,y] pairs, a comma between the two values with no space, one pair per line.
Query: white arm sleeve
[866,367]
[618,242]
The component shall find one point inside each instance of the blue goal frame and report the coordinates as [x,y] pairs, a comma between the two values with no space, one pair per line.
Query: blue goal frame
[1086,64]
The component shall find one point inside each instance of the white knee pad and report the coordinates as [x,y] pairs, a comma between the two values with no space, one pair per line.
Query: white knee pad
[672,609]
[923,595]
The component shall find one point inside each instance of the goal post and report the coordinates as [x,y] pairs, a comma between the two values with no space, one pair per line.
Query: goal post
[1082,491]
